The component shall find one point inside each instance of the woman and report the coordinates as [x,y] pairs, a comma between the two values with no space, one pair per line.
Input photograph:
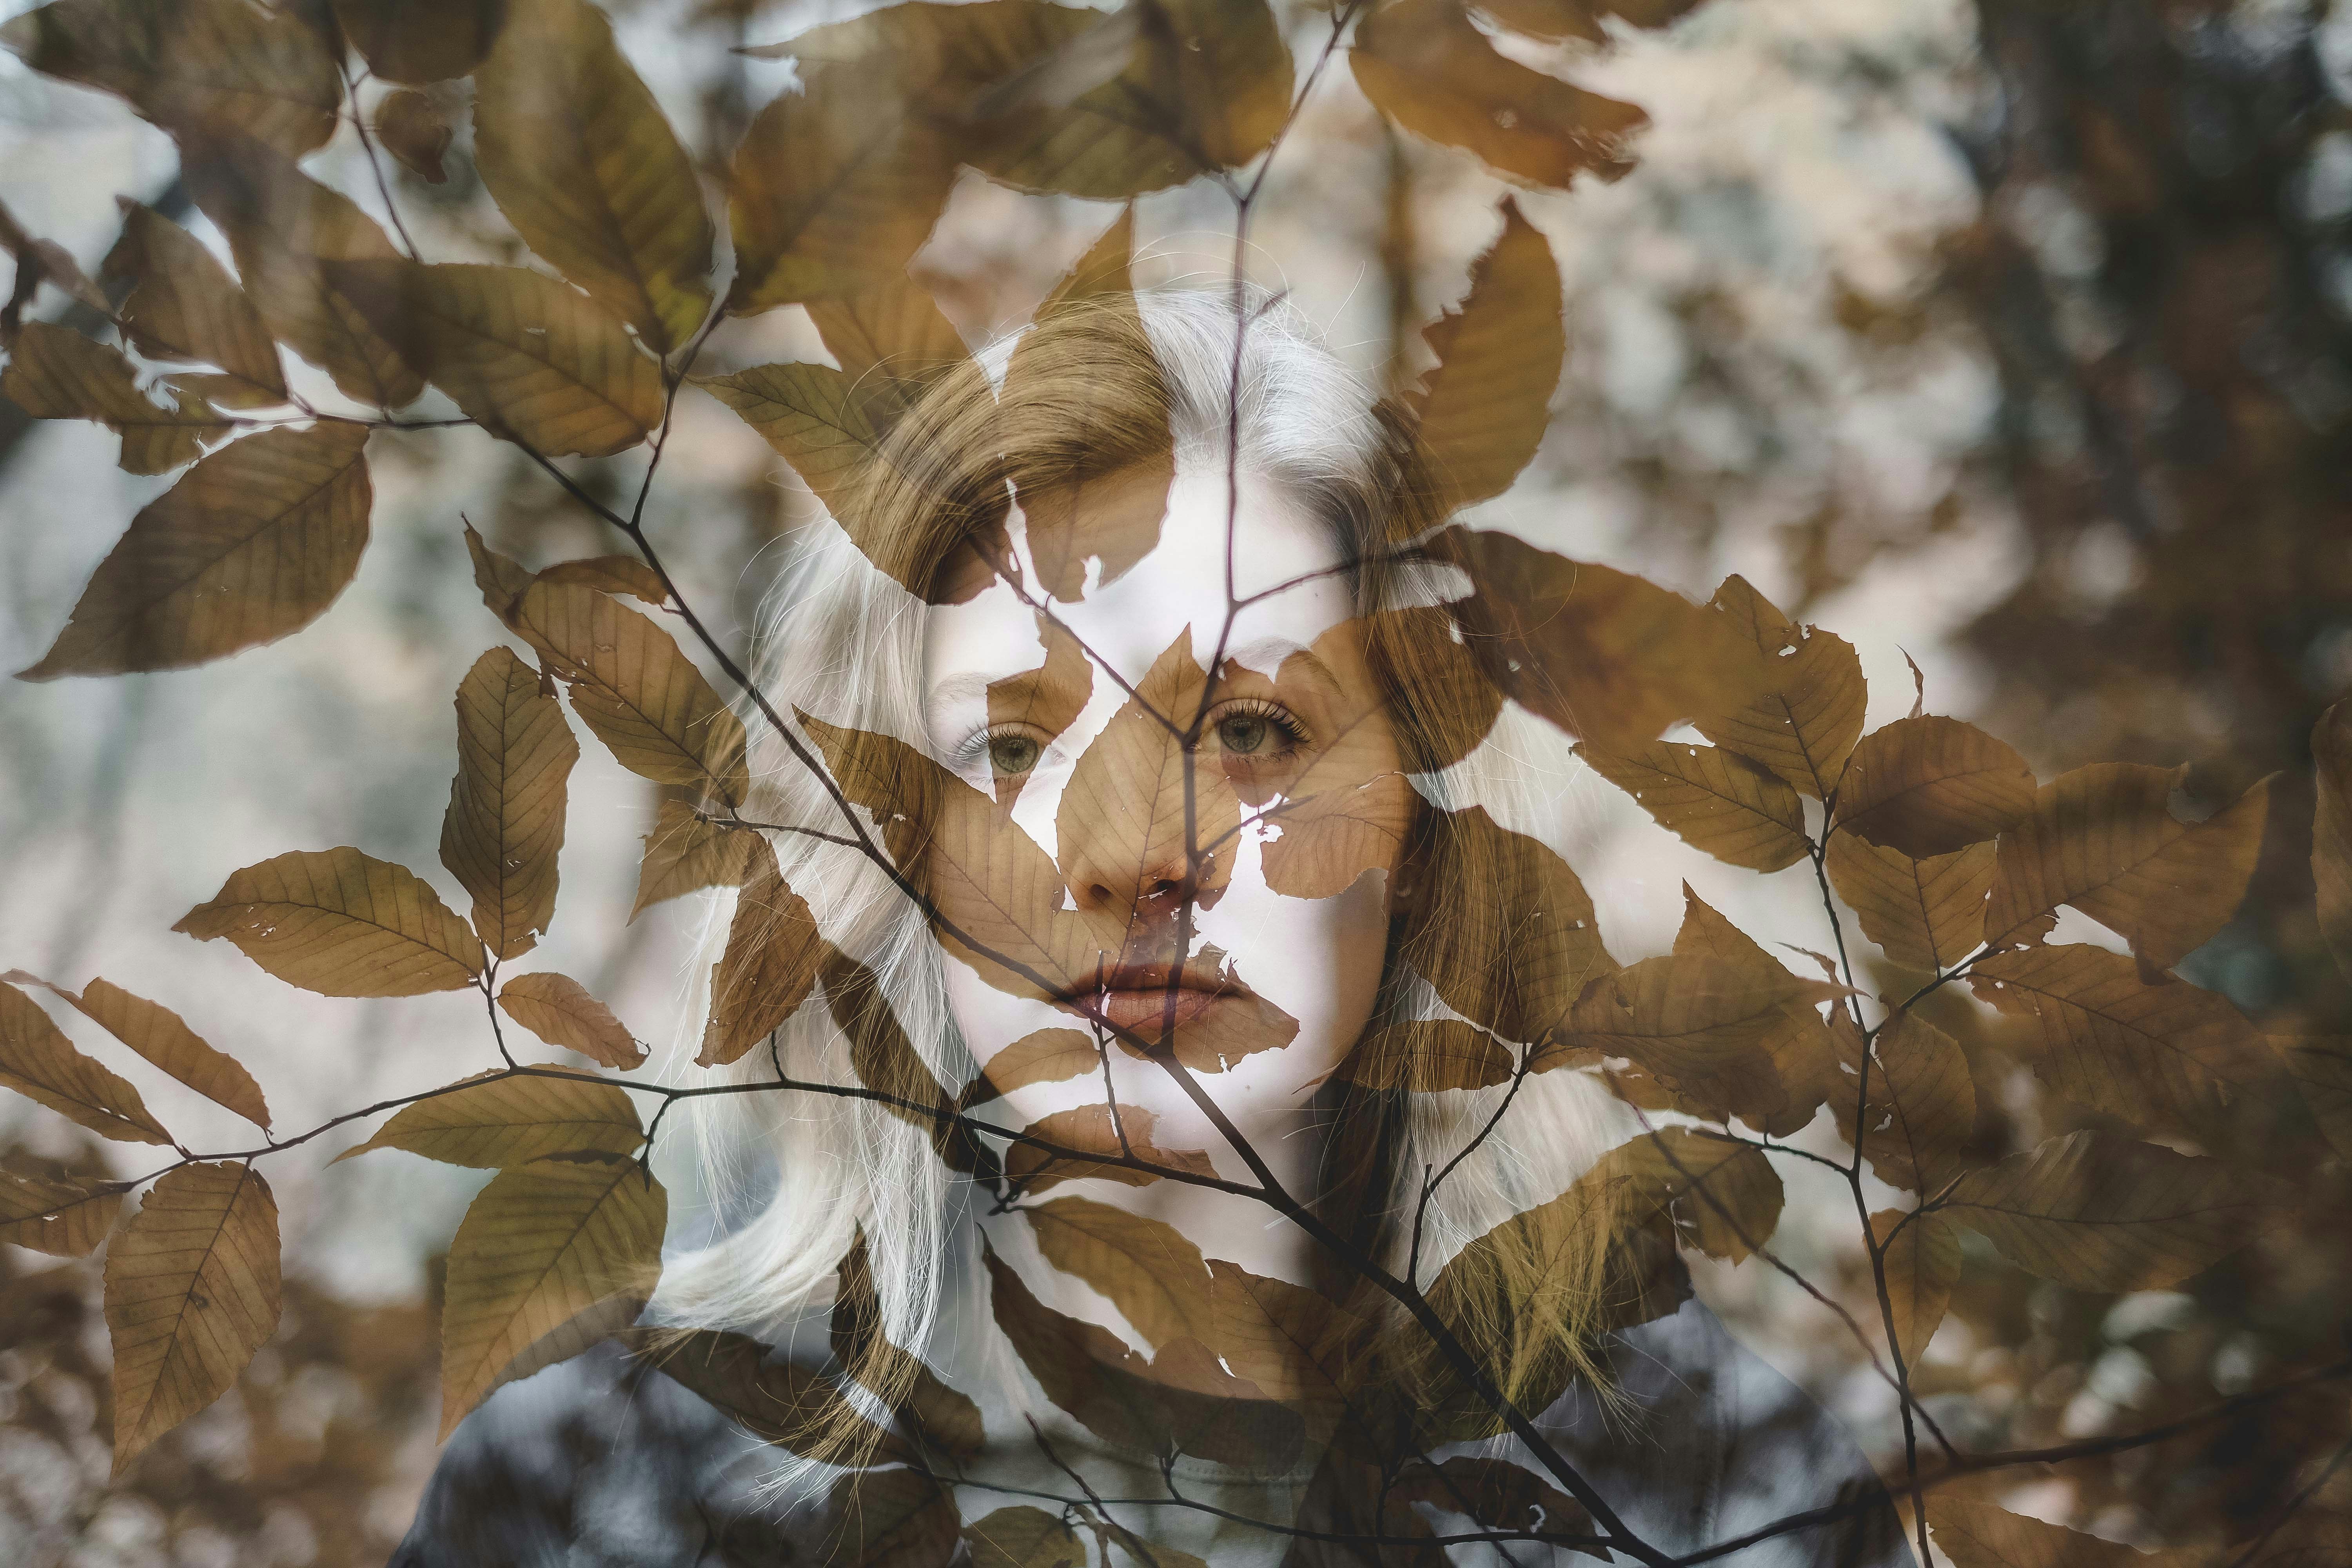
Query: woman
[1255,936]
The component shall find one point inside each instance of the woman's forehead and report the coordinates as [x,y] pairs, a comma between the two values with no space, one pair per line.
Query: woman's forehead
[1278,543]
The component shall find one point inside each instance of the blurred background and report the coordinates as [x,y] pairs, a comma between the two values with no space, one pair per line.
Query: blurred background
[2010,336]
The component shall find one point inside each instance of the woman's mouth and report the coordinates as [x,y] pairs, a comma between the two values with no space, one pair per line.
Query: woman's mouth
[1146,998]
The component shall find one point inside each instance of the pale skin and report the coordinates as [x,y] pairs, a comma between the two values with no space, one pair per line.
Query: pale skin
[1318,961]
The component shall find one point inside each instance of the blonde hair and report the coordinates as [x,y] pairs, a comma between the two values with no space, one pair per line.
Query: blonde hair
[1099,388]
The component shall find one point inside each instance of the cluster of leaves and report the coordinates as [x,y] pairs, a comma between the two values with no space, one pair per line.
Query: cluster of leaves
[1954,859]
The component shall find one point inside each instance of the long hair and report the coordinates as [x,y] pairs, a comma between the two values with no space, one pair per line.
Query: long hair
[1098,389]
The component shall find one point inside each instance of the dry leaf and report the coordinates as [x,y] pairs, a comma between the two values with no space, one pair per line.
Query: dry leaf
[1023,1537]
[813,416]
[1717,801]
[770,964]
[64,1219]
[1122,821]
[944,1417]
[37,1061]
[1696,1024]
[1045,700]
[341,923]
[504,827]
[413,130]
[2322,1068]
[1797,1042]
[1091,1129]
[559,1010]
[500,578]
[56,373]
[192,1291]
[895,1517]
[1923,1264]
[623,575]
[1427,67]
[1930,786]
[631,684]
[165,1040]
[417,41]
[550,1257]
[1724,1197]
[1928,914]
[1494,1492]
[1921,1104]
[1428,1055]
[1113,521]
[1156,1278]
[500,1119]
[1049,1055]
[891,340]
[1979,1535]
[2102,839]
[687,852]
[1803,727]
[777,1401]
[183,305]
[1482,409]
[575,152]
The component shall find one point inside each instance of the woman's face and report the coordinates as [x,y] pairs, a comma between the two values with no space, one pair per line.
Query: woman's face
[1296,808]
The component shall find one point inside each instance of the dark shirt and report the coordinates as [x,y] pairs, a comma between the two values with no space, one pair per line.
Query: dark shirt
[600,1461]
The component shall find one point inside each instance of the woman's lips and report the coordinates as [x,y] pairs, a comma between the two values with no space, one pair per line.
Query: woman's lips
[1146,1010]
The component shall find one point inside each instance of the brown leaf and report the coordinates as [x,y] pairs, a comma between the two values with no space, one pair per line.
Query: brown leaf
[64,1219]
[880,1054]
[1115,520]
[2100,1213]
[500,578]
[1427,67]
[1287,1341]
[1038,704]
[498,1120]
[2322,1067]
[770,964]
[1122,821]
[1979,1535]
[1724,1197]
[631,684]
[1923,1264]
[2331,829]
[1804,727]
[504,827]
[813,416]
[1428,1055]
[251,543]
[192,1291]
[1090,1130]
[417,41]
[989,880]
[687,852]
[1146,1268]
[1023,1537]
[341,923]
[1797,1042]
[1537,919]
[1605,656]
[1494,1492]
[163,1040]
[1717,801]
[183,305]
[1930,786]
[413,130]
[891,340]
[777,1401]
[56,373]
[894,1518]
[548,1257]
[1482,409]
[559,1010]
[833,186]
[2102,840]
[527,357]
[1928,914]
[1921,1108]
[576,154]
[282,225]
[1697,1024]
[37,1060]
[2159,1055]
[1049,1055]
[943,1416]
[192,66]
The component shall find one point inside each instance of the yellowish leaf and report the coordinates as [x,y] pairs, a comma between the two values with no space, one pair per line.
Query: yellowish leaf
[64,1219]
[193,65]
[1931,785]
[1797,1042]
[1536,922]
[577,155]
[500,1119]
[1091,1129]
[342,924]
[1427,67]
[1114,520]
[1714,800]
[524,354]
[559,1010]
[56,373]
[501,578]
[551,1257]
[2102,839]
[183,305]
[417,41]
[812,416]
[770,965]
[891,340]
[192,1291]
[251,543]
[1929,914]
[1921,1104]
[631,684]
[2163,1055]
[282,225]
[37,1061]
[1122,822]
[1697,1024]
[1923,1264]
[1482,409]
[1804,726]
[505,823]
[2331,829]
[164,1041]
[1048,1056]
[412,129]
[1157,1278]
[1723,1196]
[2100,1213]
[687,852]
[1607,657]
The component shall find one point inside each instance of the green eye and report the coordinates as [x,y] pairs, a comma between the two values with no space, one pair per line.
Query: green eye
[1011,755]
[1242,733]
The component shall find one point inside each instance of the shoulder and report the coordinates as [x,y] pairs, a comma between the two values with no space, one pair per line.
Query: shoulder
[1707,1442]
[598,1461]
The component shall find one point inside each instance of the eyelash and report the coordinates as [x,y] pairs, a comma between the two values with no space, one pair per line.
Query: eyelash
[1285,723]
